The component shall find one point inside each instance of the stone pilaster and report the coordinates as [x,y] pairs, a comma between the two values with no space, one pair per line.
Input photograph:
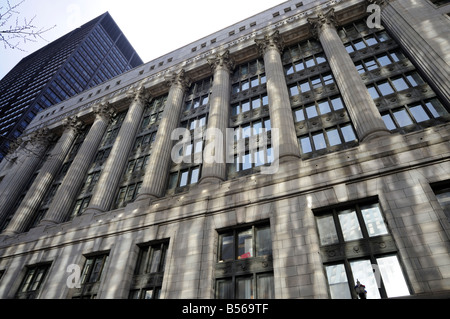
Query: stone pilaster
[362,110]
[65,196]
[214,167]
[105,189]
[281,117]
[30,155]
[155,178]
[44,179]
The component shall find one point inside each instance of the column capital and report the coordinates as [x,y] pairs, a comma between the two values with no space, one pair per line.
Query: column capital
[73,123]
[138,94]
[179,79]
[105,110]
[223,61]
[323,20]
[270,41]
[42,136]
[14,145]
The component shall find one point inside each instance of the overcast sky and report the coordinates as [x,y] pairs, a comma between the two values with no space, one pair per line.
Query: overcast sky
[169,24]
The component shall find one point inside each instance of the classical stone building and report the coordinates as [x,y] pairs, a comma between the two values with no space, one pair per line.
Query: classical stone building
[332,168]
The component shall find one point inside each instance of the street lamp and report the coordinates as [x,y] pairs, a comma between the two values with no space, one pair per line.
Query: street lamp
[360,290]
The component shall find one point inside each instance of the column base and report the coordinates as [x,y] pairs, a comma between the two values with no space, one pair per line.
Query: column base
[7,233]
[210,180]
[375,134]
[149,197]
[47,222]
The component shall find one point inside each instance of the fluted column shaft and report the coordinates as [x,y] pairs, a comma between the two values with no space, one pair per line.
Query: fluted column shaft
[43,181]
[29,157]
[105,189]
[154,183]
[421,46]
[281,117]
[65,196]
[362,110]
[219,106]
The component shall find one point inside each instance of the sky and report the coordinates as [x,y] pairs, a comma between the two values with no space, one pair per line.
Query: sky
[154,28]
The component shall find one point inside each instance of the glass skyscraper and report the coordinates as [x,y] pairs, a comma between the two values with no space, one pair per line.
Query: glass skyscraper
[83,58]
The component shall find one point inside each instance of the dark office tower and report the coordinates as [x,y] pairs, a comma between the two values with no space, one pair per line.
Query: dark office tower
[83,58]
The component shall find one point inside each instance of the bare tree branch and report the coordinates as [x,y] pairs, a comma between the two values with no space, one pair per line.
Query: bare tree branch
[14,33]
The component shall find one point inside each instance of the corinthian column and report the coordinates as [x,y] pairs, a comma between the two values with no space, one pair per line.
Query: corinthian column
[214,165]
[29,156]
[279,103]
[156,173]
[105,189]
[425,39]
[68,190]
[44,179]
[364,114]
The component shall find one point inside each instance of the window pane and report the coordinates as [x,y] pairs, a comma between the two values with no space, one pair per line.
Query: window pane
[311,111]
[349,225]
[373,92]
[348,133]
[373,220]
[320,58]
[324,107]
[299,66]
[414,79]
[337,280]
[184,178]
[246,161]
[263,241]
[289,69]
[246,106]
[359,45]
[293,90]
[305,87]
[385,88]
[388,122]
[173,180]
[245,244]
[337,103]
[224,289]
[256,103]
[265,286]
[363,272]
[245,85]
[327,230]
[371,64]
[319,141]
[309,62]
[402,118]
[305,144]
[333,137]
[384,60]
[194,175]
[156,259]
[371,40]
[419,113]
[226,247]
[436,108]
[244,287]
[299,116]
[349,48]
[400,84]
[392,275]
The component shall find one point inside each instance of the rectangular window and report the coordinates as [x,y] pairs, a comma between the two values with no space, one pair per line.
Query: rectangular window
[32,282]
[348,229]
[252,245]
[149,271]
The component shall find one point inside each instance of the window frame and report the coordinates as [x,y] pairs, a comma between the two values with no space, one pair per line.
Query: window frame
[254,267]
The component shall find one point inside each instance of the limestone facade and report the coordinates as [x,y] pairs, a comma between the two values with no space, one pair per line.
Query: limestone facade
[362,173]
